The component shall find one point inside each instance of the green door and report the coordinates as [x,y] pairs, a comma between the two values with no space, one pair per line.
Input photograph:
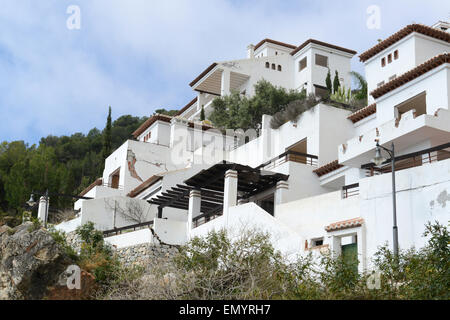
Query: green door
[350,254]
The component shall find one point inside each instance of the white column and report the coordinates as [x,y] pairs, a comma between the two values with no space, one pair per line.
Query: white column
[280,194]
[225,87]
[42,209]
[266,138]
[195,202]
[230,191]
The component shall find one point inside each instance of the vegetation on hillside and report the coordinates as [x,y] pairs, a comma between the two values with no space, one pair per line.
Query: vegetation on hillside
[248,267]
[237,111]
[65,164]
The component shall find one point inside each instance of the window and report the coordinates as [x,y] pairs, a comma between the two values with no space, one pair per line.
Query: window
[276,53]
[302,64]
[395,54]
[316,242]
[383,62]
[321,60]
[321,91]
[379,84]
[389,58]
[279,68]
[267,65]
[273,66]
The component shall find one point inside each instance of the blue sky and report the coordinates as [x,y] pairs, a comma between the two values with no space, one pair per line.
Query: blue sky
[140,55]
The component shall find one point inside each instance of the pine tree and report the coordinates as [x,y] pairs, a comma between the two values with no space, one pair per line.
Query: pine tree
[106,151]
[328,82]
[336,83]
[202,114]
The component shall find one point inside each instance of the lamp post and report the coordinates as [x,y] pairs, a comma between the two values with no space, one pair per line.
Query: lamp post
[378,160]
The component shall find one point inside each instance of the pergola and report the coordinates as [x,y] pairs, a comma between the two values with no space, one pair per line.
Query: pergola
[210,185]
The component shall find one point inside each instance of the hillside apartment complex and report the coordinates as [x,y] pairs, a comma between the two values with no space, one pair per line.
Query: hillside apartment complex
[310,183]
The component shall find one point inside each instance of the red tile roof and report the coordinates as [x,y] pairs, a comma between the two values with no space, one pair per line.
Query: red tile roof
[97,182]
[411,75]
[340,225]
[419,28]
[329,167]
[259,44]
[149,122]
[363,113]
[204,73]
[144,185]
[186,106]
[325,44]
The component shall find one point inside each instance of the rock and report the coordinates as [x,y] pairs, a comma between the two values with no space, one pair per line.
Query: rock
[30,261]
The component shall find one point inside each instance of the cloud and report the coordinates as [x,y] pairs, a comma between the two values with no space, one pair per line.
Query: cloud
[139,55]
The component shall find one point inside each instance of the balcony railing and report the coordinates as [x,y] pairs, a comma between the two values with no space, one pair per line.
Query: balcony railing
[117,231]
[204,218]
[290,155]
[411,160]
[350,190]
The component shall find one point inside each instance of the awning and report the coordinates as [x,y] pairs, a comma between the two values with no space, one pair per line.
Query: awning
[210,183]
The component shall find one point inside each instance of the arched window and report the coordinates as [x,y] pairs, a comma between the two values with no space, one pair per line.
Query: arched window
[273,66]
[267,65]
[279,68]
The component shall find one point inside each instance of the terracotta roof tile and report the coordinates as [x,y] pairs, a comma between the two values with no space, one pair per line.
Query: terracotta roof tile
[329,167]
[144,185]
[325,44]
[363,113]
[147,123]
[419,28]
[187,106]
[204,73]
[97,182]
[259,44]
[340,225]
[411,75]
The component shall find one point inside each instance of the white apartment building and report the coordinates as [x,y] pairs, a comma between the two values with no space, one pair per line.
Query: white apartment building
[311,183]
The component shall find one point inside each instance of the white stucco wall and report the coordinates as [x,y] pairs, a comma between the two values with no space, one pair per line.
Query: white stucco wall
[101,212]
[130,238]
[249,216]
[171,231]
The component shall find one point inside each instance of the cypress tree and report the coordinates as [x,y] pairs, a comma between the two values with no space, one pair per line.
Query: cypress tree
[336,83]
[106,151]
[328,82]
[202,114]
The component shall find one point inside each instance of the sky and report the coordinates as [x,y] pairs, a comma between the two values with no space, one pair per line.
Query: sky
[140,55]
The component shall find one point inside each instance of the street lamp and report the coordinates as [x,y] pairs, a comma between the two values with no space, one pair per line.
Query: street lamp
[378,160]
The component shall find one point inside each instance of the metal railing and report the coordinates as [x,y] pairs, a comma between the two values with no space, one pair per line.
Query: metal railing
[290,155]
[206,217]
[350,190]
[411,160]
[117,231]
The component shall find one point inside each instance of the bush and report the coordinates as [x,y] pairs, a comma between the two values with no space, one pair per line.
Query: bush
[248,267]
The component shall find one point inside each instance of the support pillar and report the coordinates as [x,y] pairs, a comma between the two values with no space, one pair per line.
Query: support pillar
[195,201]
[43,209]
[280,194]
[225,84]
[230,191]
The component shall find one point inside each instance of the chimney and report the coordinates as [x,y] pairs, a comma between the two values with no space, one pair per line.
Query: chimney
[250,51]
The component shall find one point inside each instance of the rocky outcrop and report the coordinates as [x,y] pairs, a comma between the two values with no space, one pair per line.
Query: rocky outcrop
[30,262]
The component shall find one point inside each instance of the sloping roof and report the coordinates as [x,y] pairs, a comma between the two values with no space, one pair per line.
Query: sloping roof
[340,225]
[165,118]
[187,106]
[204,73]
[419,28]
[259,44]
[411,75]
[97,182]
[147,123]
[325,44]
[329,167]
[144,185]
[363,113]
